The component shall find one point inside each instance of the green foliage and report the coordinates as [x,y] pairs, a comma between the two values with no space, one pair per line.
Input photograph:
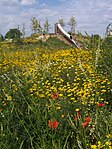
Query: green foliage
[107,43]
[95,41]
[35,26]
[61,22]
[105,60]
[23,30]
[56,44]
[13,34]
[92,42]
[1,37]
[72,24]
[46,26]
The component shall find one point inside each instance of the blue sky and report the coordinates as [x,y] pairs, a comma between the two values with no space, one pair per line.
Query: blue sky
[91,16]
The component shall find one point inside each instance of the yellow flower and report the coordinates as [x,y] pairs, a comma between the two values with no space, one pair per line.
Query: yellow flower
[107,143]
[107,102]
[93,147]
[8,97]
[41,95]
[49,95]
[77,110]
[60,95]
[58,108]
[102,99]
[62,116]
[75,101]
[108,135]
[69,95]
[99,144]
[103,91]
[72,98]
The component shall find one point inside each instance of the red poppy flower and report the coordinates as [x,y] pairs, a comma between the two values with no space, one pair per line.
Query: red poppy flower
[87,119]
[84,124]
[53,124]
[54,95]
[78,112]
[100,104]
[75,118]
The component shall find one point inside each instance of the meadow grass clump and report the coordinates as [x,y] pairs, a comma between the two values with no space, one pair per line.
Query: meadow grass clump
[53,99]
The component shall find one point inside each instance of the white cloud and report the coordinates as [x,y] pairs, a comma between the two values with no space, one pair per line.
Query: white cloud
[8,2]
[27,2]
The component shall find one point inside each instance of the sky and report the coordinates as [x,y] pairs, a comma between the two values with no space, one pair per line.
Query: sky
[92,16]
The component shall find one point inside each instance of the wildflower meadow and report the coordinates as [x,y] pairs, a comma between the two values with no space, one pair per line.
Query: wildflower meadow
[55,96]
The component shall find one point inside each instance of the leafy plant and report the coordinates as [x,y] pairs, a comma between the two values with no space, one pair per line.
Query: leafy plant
[13,34]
